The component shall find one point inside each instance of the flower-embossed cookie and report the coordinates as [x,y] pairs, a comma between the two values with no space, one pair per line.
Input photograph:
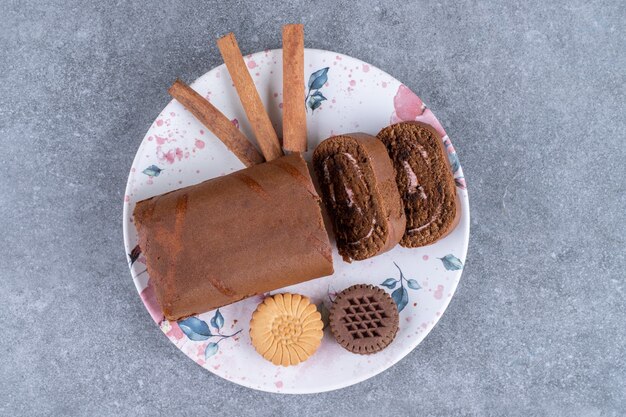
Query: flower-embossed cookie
[364,319]
[286,329]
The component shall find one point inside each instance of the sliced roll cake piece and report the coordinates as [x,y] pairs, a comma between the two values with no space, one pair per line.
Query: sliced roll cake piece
[425,180]
[358,186]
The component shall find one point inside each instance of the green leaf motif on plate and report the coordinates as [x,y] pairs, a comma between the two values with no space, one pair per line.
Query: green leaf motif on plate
[211,349]
[218,320]
[390,283]
[413,284]
[152,171]
[401,297]
[451,262]
[314,96]
[195,329]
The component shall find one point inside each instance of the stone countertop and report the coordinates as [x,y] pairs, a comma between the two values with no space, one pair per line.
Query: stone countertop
[532,95]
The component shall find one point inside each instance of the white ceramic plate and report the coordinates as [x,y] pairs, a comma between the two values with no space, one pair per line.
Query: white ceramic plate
[353,96]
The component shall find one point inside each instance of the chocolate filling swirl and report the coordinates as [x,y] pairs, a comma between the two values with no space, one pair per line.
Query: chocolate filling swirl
[350,198]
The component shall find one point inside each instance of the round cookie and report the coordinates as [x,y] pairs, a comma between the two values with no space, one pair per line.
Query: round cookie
[364,319]
[286,329]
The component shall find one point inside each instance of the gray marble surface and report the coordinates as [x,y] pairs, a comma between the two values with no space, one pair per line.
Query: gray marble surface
[532,94]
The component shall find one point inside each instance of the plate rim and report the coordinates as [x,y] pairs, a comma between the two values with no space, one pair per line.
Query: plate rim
[370,372]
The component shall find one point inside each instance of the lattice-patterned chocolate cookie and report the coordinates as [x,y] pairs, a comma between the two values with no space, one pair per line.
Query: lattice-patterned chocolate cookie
[364,319]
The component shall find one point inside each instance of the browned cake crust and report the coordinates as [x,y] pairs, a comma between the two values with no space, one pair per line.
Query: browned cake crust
[358,186]
[425,181]
[231,237]
[364,319]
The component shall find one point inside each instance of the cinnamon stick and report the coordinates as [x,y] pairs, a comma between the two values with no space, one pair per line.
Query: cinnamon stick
[216,122]
[294,111]
[249,96]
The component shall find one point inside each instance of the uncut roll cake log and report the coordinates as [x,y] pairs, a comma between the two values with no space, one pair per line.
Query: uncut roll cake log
[359,190]
[425,181]
[232,237]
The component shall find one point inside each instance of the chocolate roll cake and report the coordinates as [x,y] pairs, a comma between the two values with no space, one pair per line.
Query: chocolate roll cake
[359,190]
[425,181]
[231,237]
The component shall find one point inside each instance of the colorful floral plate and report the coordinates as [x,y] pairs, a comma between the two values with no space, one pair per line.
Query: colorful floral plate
[343,95]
